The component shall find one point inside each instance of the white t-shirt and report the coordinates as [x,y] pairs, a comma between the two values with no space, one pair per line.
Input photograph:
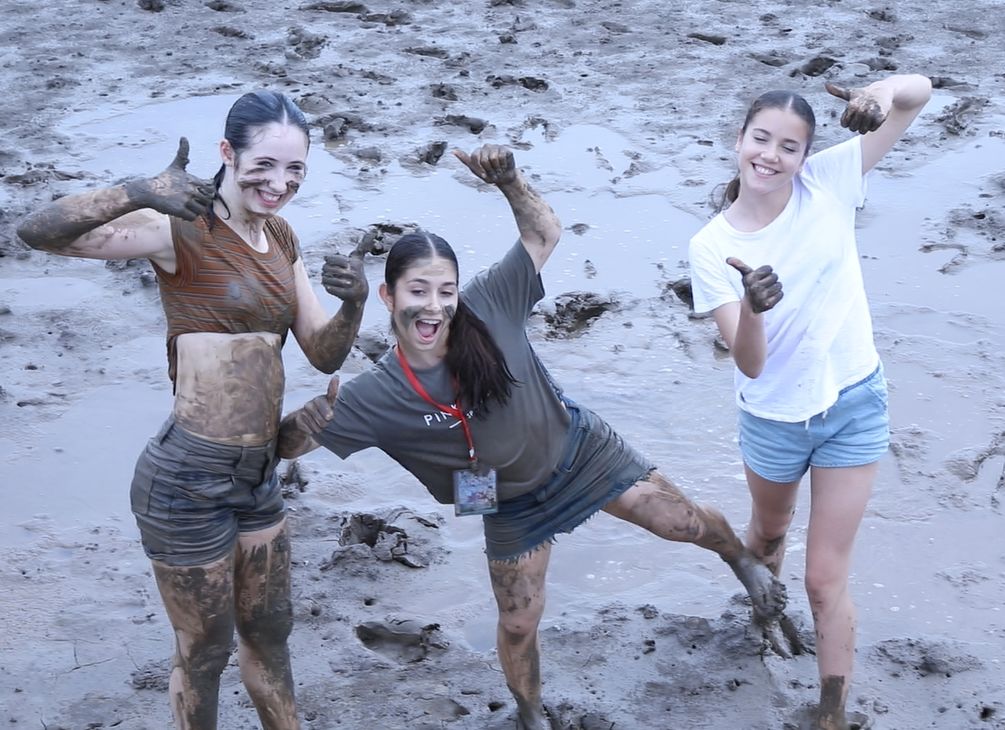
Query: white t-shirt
[820,334]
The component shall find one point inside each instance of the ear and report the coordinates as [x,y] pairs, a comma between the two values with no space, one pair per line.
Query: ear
[739,139]
[386,297]
[227,153]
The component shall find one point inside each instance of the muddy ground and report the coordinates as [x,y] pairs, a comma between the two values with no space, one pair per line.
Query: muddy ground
[624,114]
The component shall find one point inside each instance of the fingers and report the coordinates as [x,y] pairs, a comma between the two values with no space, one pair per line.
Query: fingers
[839,91]
[181,156]
[492,163]
[332,393]
[739,265]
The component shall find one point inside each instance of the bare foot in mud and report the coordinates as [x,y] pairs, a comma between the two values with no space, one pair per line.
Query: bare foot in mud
[782,637]
[767,593]
[534,719]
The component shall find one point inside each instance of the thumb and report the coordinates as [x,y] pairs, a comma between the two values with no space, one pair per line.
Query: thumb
[739,265]
[839,91]
[364,246]
[332,389]
[181,157]
[463,157]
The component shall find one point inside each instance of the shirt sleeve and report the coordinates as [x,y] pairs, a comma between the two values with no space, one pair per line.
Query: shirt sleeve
[838,169]
[350,430]
[713,281]
[510,286]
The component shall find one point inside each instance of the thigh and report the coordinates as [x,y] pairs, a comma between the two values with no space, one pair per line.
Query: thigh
[772,503]
[838,499]
[262,577]
[199,601]
[519,585]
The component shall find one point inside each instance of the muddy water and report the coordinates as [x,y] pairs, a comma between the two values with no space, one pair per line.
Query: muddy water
[649,370]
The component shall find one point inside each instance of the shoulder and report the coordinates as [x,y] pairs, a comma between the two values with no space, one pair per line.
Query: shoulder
[284,236]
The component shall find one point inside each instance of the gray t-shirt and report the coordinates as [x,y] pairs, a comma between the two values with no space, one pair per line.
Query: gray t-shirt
[522,440]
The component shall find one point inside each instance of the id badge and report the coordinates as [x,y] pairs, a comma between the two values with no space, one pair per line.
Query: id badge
[475,492]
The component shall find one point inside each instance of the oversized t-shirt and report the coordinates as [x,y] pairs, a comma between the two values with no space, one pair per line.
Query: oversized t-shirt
[522,440]
[819,335]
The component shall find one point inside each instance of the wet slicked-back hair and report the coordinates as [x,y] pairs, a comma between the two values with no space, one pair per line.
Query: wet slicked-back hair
[249,114]
[786,101]
[473,357]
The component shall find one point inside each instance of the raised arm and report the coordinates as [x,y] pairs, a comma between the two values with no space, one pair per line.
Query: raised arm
[882,111]
[537,223]
[122,221]
[741,324]
[327,341]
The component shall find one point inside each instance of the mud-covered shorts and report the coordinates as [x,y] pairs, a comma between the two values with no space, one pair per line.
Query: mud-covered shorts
[191,497]
[596,467]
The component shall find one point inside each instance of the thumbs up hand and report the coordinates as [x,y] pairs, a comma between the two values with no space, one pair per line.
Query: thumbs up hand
[761,286]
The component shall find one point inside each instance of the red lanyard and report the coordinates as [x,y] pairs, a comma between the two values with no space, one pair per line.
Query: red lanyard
[449,410]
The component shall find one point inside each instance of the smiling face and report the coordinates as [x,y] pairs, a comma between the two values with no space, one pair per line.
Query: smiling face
[422,303]
[265,176]
[771,151]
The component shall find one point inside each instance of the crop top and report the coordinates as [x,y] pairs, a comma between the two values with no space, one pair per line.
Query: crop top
[222,284]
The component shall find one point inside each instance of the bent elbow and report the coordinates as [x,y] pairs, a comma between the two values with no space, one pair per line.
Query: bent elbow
[750,370]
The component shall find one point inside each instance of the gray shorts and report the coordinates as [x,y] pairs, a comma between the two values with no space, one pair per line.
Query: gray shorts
[597,466]
[191,497]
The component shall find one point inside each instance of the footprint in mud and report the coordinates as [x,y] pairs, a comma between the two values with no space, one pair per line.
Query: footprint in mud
[402,640]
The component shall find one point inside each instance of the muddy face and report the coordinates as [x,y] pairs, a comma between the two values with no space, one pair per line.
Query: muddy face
[422,304]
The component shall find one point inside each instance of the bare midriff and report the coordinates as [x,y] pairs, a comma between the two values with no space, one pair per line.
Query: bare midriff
[229,387]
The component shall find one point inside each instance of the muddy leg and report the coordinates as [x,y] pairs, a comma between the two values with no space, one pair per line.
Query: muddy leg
[264,622]
[837,503]
[660,507]
[200,605]
[519,589]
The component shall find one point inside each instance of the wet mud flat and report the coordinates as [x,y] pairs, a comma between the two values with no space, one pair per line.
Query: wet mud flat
[625,116]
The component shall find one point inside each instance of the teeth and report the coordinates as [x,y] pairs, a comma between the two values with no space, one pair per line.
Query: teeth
[763,170]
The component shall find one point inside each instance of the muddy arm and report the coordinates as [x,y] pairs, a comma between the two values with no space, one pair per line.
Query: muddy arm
[539,227]
[121,221]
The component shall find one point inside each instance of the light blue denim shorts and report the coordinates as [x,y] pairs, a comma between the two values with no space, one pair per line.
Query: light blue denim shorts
[853,432]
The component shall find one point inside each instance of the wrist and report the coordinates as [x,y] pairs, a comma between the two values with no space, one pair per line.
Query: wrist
[138,192]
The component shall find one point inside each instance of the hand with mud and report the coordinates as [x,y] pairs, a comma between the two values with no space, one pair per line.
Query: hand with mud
[492,163]
[867,108]
[297,429]
[760,286]
[174,192]
[343,277]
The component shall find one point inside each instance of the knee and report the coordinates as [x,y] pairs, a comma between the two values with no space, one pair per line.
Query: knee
[266,627]
[825,584]
[517,624]
[207,654]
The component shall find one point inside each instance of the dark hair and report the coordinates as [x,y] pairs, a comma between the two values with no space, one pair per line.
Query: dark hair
[785,100]
[249,113]
[473,357]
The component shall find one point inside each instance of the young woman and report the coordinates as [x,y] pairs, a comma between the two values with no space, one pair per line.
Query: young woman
[233,284]
[809,383]
[465,405]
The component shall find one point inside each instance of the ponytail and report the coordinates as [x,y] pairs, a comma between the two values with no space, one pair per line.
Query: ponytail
[476,362]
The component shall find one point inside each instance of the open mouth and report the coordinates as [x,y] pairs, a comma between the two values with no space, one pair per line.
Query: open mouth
[269,198]
[764,170]
[427,329]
